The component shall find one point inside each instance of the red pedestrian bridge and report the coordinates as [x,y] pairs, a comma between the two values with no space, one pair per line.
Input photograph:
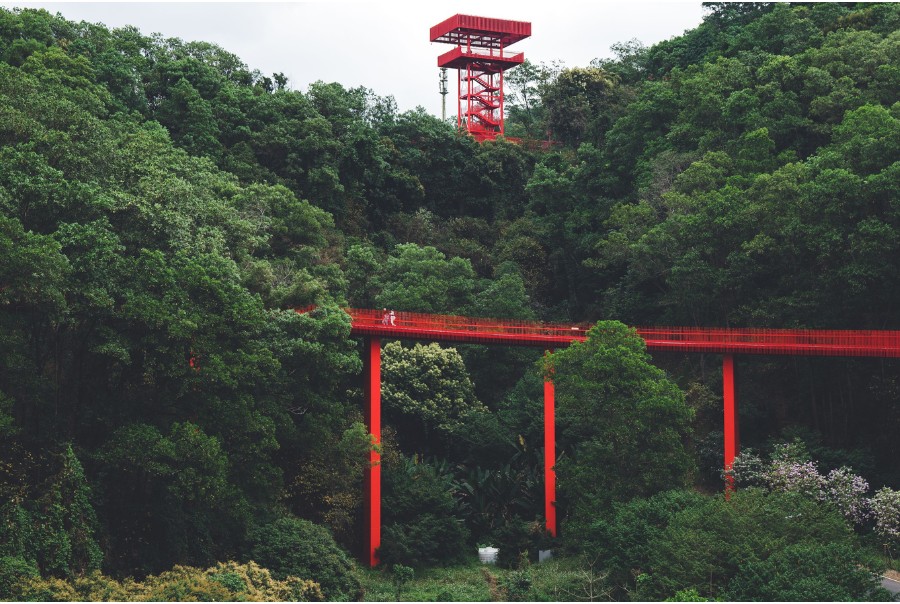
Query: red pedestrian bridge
[373,325]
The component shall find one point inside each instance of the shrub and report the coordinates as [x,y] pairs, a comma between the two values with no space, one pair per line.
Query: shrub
[622,541]
[51,589]
[428,540]
[401,575]
[848,492]
[12,571]
[790,471]
[183,584]
[292,546]
[519,539]
[807,572]
[56,528]
[797,477]
[225,582]
[704,545]
[886,511]
[422,525]
[749,469]
[517,585]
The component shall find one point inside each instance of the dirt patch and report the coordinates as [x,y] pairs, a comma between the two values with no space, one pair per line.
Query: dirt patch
[497,593]
[892,574]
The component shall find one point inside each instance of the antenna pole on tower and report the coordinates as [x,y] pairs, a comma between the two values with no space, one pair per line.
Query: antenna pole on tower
[442,79]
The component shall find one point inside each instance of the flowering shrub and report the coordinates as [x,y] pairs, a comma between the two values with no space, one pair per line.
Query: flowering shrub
[886,511]
[848,492]
[796,477]
[749,469]
[791,471]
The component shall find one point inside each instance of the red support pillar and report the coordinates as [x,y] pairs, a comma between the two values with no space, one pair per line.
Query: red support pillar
[732,443]
[372,375]
[550,454]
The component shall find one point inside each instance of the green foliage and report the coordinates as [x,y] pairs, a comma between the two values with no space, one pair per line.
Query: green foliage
[14,570]
[806,573]
[621,424]
[426,392]
[422,521]
[402,575]
[175,489]
[329,487]
[579,103]
[705,545]
[225,582]
[517,585]
[461,583]
[886,511]
[155,234]
[295,547]
[622,542]
[55,527]
[421,279]
[519,541]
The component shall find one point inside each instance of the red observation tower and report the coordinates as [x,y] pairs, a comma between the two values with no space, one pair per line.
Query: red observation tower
[480,60]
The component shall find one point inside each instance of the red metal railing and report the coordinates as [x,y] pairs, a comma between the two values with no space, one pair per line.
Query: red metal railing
[458,58]
[802,342]
[453,328]
[481,31]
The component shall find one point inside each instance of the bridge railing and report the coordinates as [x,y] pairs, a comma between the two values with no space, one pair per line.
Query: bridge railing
[820,341]
[456,323]
[861,343]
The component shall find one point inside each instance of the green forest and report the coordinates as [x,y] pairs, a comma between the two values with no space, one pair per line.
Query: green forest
[172,429]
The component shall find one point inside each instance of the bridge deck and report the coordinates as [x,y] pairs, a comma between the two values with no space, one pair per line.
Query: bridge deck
[798,342]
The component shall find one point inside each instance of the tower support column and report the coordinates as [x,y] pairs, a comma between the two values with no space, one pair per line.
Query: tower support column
[372,376]
[550,455]
[732,436]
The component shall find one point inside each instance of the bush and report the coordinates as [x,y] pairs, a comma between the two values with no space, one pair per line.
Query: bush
[622,541]
[517,538]
[428,540]
[422,525]
[12,571]
[51,589]
[225,582]
[886,511]
[807,572]
[292,546]
[517,585]
[705,544]
[791,471]
[401,575]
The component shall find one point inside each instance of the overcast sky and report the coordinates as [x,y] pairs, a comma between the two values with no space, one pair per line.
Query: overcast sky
[384,45]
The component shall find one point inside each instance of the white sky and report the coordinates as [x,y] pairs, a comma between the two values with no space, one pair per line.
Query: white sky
[383,45]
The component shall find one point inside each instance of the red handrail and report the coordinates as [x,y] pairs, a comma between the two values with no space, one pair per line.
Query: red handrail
[455,328]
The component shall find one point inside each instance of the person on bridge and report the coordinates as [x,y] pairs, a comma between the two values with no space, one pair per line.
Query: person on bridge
[386,319]
[393,318]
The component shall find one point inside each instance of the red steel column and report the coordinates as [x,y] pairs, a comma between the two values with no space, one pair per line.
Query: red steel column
[372,376]
[732,443]
[550,454]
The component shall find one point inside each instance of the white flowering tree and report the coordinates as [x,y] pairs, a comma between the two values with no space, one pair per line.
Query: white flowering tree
[886,512]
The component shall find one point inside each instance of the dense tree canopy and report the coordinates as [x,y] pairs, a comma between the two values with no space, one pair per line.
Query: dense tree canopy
[164,208]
